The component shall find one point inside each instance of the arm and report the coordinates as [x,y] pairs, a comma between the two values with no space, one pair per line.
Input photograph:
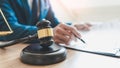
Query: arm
[20,30]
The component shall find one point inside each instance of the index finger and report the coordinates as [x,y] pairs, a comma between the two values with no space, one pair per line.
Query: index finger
[71,29]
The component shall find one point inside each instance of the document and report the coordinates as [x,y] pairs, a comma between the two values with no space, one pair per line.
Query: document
[103,37]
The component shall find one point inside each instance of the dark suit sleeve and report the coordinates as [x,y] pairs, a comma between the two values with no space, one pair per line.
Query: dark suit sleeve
[51,16]
[20,30]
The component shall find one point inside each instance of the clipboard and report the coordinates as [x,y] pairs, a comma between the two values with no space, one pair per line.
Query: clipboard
[102,39]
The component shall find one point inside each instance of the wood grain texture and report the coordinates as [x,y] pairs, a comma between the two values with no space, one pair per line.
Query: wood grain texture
[9,58]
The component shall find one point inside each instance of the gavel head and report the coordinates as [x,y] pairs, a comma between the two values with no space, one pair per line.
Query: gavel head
[45,33]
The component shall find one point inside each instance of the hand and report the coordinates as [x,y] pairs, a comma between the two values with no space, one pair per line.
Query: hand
[64,34]
[85,27]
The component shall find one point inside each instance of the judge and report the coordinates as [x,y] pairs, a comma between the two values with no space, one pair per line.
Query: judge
[23,15]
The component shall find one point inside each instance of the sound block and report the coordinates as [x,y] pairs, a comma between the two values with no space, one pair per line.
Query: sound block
[36,55]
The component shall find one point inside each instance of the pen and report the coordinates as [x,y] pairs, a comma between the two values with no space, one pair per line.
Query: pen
[75,35]
[82,40]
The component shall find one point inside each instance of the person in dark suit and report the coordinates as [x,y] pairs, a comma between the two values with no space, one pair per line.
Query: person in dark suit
[21,18]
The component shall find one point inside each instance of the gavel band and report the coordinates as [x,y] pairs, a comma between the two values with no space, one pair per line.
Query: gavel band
[45,32]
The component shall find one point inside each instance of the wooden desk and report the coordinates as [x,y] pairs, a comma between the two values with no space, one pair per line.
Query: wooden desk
[9,58]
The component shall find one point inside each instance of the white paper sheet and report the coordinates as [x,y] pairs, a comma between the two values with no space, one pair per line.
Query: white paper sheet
[103,37]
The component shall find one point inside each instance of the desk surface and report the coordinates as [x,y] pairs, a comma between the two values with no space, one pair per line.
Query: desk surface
[9,58]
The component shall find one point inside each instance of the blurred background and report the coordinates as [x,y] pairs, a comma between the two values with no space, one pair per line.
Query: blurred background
[87,10]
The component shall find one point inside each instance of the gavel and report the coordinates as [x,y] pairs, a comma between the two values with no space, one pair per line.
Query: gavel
[45,51]
[44,35]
